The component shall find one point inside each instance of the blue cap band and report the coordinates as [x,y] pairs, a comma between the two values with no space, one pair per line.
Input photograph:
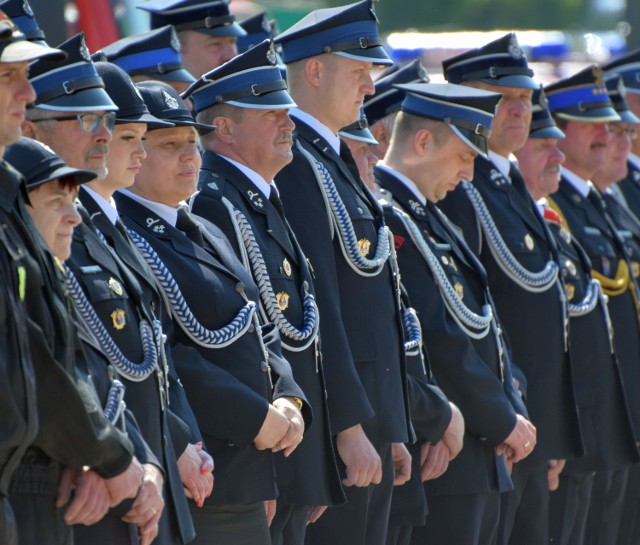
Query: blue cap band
[361,34]
[588,96]
[150,59]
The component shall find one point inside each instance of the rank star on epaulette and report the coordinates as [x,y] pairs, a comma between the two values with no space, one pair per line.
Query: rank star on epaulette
[213,185]
[364,245]
[119,319]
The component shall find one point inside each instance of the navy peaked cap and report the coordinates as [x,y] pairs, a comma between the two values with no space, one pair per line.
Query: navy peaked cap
[250,80]
[542,123]
[164,103]
[628,66]
[501,62]
[40,165]
[155,54]
[388,98]
[131,107]
[581,97]
[73,85]
[617,93]
[258,28]
[468,112]
[350,31]
[359,130]
[209,17]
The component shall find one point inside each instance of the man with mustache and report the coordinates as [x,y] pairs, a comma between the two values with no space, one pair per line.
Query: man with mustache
[500,225]
[607,434]
[582,109]
[250,145]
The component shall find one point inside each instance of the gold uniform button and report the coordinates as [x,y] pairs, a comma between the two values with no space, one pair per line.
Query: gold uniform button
[444,260]
[571,267]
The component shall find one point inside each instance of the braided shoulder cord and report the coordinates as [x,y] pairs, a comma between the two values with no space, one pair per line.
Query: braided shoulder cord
[340,220]
[534,282]
[114,405]
[136,372]
[218,338]
[267,295]
[412,331]
[589,301]
[474,325]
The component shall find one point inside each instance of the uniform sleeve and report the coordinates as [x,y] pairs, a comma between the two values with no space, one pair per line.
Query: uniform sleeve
[73,428]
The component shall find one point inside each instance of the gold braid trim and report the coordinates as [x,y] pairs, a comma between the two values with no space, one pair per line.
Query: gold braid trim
[617,285]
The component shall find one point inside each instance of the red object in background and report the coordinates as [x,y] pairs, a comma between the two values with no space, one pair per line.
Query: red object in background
[98,23]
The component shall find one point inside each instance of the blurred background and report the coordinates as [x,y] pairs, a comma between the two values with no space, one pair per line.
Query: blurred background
[557,35]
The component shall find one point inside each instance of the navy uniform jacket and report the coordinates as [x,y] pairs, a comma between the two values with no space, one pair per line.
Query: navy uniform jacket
[533,321]
[630,187]
[604,420]
[468,370]
[229,388]
[360,323]
[120,291]
[605,249]
[297,484]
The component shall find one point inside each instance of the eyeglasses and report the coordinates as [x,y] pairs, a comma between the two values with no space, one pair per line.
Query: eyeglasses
[89,123]
[631,131]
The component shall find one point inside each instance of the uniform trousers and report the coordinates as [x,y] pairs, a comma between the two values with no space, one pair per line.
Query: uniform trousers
[605,510]
[524,512]
[363,520]
[463,519]
[230,524]
[289,526]
[569,509]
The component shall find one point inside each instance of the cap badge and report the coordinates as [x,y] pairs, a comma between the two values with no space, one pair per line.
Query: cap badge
[622,90]
[265,24]
[119,319]
[543,102]
[170,101]
[597,75]
[271,55]
[514,48]
[26,8]
[283,300]
[175,43]
[372,9]
[84,51]
[364,245]
[422,74]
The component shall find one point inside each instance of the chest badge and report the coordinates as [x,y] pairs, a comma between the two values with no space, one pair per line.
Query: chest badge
[364,245]
[282,299]
[459,290]
[636,268]
[119,319]
[115,286]
[528,242]
[570,291]
[286,266]
[571,267]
